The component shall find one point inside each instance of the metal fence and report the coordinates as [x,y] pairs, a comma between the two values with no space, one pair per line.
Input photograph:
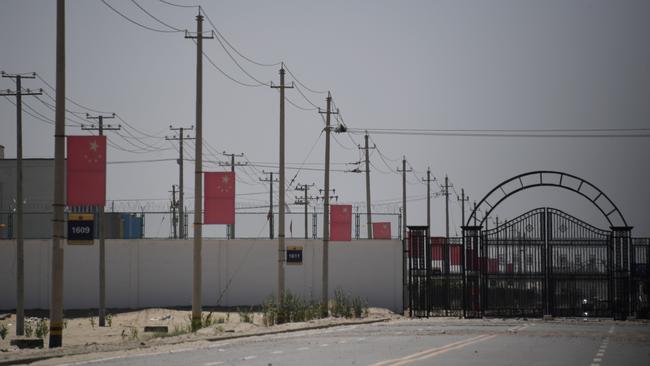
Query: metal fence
[164,224]
[543,262]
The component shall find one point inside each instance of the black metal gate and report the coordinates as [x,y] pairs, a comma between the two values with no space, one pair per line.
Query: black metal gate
[547,262]
[544,262]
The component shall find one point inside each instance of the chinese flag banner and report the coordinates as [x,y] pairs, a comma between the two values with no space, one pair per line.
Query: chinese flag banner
[437,245]
[455,252]
[219,198]
[341,222]
[381,230]
[86,171]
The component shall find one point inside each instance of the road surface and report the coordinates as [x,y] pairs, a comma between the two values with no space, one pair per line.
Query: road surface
[421,342]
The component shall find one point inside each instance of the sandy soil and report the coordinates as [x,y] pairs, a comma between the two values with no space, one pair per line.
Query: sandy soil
[127,327]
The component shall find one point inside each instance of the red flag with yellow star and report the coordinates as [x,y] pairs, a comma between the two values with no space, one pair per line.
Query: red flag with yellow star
[381,230]
[86,171]
[341,222]
[219,198]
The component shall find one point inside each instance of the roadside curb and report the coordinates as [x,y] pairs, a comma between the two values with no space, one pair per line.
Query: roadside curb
[57,353]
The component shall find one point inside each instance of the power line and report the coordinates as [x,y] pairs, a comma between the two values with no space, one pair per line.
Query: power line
[235,49]
[303,85]
[496,133]
[179,5]
[156,19]
[136,23]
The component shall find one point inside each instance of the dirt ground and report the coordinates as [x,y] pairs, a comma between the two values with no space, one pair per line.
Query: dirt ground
[127,327]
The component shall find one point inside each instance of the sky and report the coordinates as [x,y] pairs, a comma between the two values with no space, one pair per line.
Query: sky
[434,65]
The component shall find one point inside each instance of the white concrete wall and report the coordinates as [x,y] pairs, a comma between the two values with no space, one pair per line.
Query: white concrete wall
[150,272]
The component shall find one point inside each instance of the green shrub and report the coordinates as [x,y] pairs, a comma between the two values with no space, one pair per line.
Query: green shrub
[29,329]
[292,308]
[42,328]
[3,331]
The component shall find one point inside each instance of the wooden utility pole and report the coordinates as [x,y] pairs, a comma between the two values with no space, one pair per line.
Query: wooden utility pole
[463,199]
[102,227]
[20,238]
[428,180]
[281,205]
[326,207]
[181,205]
[404,238]
[368,202]
[270,215]
[198,178]
[231,227]
[174,207]
[305,202]
[58,221]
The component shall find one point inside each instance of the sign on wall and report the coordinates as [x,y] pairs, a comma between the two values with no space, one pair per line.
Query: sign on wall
[81,229]
[294,255]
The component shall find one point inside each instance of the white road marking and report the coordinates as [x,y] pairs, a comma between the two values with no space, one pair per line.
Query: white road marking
[302,349]
[611,330]
[213,363]
[361,339]
[249,358]
[598,359]
[277,352]
[595,364]
[324,345]
[342,342]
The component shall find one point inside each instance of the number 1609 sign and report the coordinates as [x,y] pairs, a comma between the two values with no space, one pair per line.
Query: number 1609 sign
[80,229]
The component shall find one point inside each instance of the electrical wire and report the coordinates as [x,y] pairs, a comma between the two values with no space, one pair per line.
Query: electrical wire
[303,85]
[179,5]
[226,74]
[233,47]
[136,23]
[156,19]
[488,133]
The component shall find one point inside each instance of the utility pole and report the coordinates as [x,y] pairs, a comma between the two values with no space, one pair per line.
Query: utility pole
[475,214]
[445,192]
[174,206]
[463,199]
[368,212]
[326,207]
[102,232]
[198,177]
[20,239]
[428,180]
[181,205]
[404,247]
[58,221]
[270,215]
[305,202]
[281,207]
[231,227]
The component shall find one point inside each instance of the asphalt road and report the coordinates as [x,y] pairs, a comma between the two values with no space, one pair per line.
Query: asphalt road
[425,342]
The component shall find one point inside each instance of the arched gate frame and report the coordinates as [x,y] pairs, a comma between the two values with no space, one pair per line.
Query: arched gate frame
[547,262]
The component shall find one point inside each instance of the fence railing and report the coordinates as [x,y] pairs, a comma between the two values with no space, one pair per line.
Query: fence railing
[164,224]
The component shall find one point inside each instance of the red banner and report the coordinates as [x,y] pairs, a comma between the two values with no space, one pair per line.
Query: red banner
[455,254]
[219,198]
[436,248]
[86,171]
[341,222]
[381,230]
[493,265]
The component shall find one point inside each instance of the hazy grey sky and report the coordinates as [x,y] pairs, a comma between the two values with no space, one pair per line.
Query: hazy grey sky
[389,64]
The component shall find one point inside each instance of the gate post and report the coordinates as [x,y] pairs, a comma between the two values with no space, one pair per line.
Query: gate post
[622,276]
[472,269]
